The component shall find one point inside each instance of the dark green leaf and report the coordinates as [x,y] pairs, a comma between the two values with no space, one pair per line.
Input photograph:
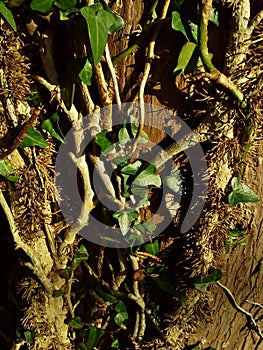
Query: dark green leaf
[125,218]
[18,333]
[213,17]
[131,169]
[177,23]
[174,181]
[7,14]
[58,293]
[120,307]
[241,193]
[82,346]
[98,31]
[122,160]
[124,136]
[122,314]
[33,138]
[212,278]
[43,6]
[152,248]
[48,126]
[105,295]
[65,4]
[30,336]
[196,348]
[102,140]
[80,255]
[236,233]
[65,273]
[115,344]
[187,59]
[7,171]
[114,21]
[148,177]
[94,336]
[76,323]
[86,73]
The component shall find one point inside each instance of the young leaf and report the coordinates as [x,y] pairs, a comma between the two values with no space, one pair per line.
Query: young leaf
[81,255]
[103,142]
[125,218]
[115,344]
[43,6]
[98,31]
[241,193]
[177,23]
[187,59]
[212,278]
[152,248]
[33,138]
[7,14]
[174,181]
[94,337]
[124,136]
[86,73]
[65,4]
[131,169]
[122,314]
[148,177]
[236,233]
[48,126]
[76,323]
[7,171]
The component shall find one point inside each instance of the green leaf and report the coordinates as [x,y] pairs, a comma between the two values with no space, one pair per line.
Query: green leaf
[43,6]
[174,181]
[124,136]
[81,255]
[241,193]
[7,14]
[122,314]
[240,243]
[152,248]
[98,31]
[149,226]
[48,126]
[148,177]
[143,139]
[177,23]
[125,218]
[86,73]
[115,344]
[122,160]
[58,292]
[196,348]
[65,4]
[114,21]
[236,233]
[76,323]
[30,336]
[212,278]
[102,140]
[131,169]
[65,273]
[7,171]
[187,59]
[94,337]
[82,346]
[105,295]
[213,17]
[33,138]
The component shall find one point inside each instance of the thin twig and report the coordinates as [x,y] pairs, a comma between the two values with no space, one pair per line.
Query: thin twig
[113,75]
[36,265]
[248,315]
[254,303]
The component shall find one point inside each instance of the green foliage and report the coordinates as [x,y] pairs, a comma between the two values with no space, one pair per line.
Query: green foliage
[241,193]
[86,73]
[7,171]
[115,344]
[49,127]
[80,255]
[174,181]
[105,295]
[93,338]
[57,293]
[43,6]
[148,177]
[122,314]
[105,144]
[235,239]
[152,248]
[33,138]
[177,24]
[132,168]
[203,283]
[29,336]
[76,323]
[188,58]
[65,4]
[8,16]
[125,218]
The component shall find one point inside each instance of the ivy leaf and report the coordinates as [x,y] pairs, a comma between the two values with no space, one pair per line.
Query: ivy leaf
[86,73]
[76,323]
[174,181]
[131,169]
[48,126]
[7,171]
[105,295]
[125,218]
[177,23]
[81,255]
[149,227]
[152,248]
[241,193]
[102,140]
[213,17]
[123,136]
[122,314]
[95,17]
[94,336]
[65,4]
[236,233]
[121,161]
[113,21]
[148,177]
[187,59]
[43,6]
[7,14]
[115,344]
[212,278]
[33,138]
